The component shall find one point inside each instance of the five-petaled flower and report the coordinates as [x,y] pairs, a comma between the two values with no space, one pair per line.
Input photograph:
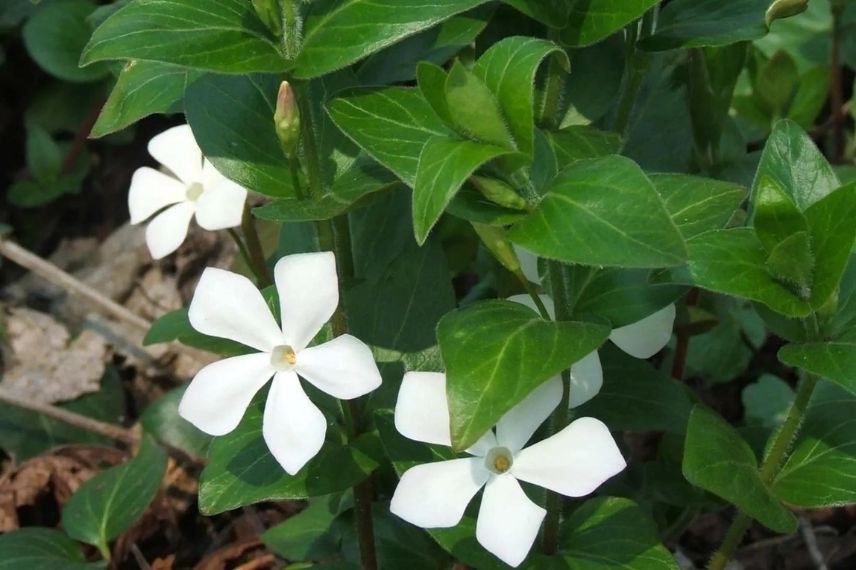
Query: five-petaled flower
[228,305]
[196,188]
[573,462]
[641,339]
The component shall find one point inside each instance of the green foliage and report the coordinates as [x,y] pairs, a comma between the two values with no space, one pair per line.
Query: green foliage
[42,549]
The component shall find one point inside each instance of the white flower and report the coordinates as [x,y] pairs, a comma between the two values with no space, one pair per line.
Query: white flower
[642,339]
[573,462]
[197,188]
[228,305]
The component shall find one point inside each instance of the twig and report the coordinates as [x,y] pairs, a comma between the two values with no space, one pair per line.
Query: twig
[107,430]
[810,539]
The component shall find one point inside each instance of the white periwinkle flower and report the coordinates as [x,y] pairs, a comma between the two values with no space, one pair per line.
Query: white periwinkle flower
[642,339]
[228,305]
[196,188]
[573,462]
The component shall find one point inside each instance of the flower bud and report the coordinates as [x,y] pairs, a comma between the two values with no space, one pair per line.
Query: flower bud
[784,9]
[498,192]
[269,13]
[287,120]
[494,239]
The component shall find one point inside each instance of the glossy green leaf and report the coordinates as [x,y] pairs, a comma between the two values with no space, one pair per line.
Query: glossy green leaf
[612,532]
[241,471]
[697,204]
[108,504]
[37,548]
[766,401]
[444,166]
[474,108]
[602,212]
[717,459]
[581,142]
[700,23]
[143,88]
[391,124]
[776,216]
[232,119]
[637,397]
[312,534]
[833,359]
[792,161]
[593,86]
[819,471]
[508,69]
[216,35]
[55,36]
[593,20]
[554,13]
[496,353]
[734,262]
[162,420]
[431,80]
[833,233]
[337,35]
[175,326]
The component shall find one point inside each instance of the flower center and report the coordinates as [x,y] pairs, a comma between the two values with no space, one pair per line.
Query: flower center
[194,191]
[498,460]
[283,358]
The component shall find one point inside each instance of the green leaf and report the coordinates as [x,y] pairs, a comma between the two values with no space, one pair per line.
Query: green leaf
[232,119]
[55,37]
[593,20]
[734,262]
[819,471]
[37,548]
[696,204]
[776,217]
[582,142]
[701,23]
[44,156]
[593,87]
[108,504]
[791,262]
[337,35]
[834,359]
[474,109]
[431,80]
[554,13]
[496,353]
[776,82]
[312,534]
[143,88]
[717,459]
[391,124]
[215,35]
[792,161]
[767,401]
[436,45]
[508,69]
[833,233]
[241,471]
[602,212]
[175,326]
[637,397]
[612,532]
[162,421]
[444,166]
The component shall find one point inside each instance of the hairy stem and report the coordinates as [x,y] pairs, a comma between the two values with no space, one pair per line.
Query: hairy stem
[560,416]
[291,29]
[254,249]
[533,294]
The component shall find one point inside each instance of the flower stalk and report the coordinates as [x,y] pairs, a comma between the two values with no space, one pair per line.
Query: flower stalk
[254,250]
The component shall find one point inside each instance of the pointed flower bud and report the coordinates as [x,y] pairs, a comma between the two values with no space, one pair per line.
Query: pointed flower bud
[495,241]
[269,13]
[287,120]
[784,9]
[498,192]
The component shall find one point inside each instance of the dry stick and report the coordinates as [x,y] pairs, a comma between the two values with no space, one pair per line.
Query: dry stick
[107,430]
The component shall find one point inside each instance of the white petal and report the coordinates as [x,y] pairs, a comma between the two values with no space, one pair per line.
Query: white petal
[573,462]
[435,495]
[508,520]
[210,175]
[308,288]
[343,367]
[527,300]
[422,411]
[151,191]
[218,396]
[586,379]
[645,338]
[176,149]
[228,305]
[518,424]
[484,444]
[528,264]
[221,206]
[167,231]
[293,427]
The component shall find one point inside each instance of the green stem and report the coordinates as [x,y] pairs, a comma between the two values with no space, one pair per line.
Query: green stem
[533,294]
[310,145]
[291,27]
[773,460]
[294,166]
[242,250]
[635,68]
[560,416]
[254,249]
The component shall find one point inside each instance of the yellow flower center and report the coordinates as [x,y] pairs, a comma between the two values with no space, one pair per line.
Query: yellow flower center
[194,191]
[283,357]
[499,460]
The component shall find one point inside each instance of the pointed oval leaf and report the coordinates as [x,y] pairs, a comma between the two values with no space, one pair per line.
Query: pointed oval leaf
[215,35]
[593,20]
[602,211]
[496,353]
[37,548]
[554,13]
[834,359]
[697,204]
[833,233]
[717,459]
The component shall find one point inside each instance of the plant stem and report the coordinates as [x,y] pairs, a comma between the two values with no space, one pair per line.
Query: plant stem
[683,343]
[635,67]
[291,29]
[776,455]
[254,249]
[533,294]
[560,415]
[294,166]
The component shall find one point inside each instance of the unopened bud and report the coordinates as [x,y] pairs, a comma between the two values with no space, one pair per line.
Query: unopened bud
[286,119]
[494,239]
[269,13]
[498,192]
[784,9]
